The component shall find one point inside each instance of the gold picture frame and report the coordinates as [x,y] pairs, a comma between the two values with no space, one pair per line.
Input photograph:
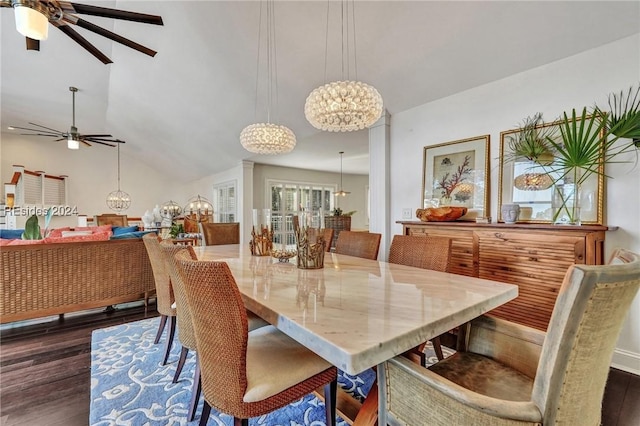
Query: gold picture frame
[456,173]
[535,203]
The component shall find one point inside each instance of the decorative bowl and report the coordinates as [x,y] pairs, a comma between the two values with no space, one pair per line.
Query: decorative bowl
[441,214]
[283,255]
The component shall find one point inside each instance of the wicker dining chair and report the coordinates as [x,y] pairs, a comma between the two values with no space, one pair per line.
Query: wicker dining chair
[220,233]
[426,252]
[328,237]
[327,233]
[111,219]
[164,292]
[358,244]
[186,334]
[252,373]
[509,374]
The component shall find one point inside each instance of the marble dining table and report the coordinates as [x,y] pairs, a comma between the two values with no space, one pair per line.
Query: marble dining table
[357,313]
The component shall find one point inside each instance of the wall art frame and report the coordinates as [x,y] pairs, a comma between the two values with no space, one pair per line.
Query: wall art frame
[536,203]
[456,173]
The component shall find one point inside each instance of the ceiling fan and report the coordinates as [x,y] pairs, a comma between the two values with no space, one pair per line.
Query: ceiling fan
[33,16]
[73,137]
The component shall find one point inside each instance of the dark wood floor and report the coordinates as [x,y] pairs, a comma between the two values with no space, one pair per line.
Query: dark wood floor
[45,371]
[45,368]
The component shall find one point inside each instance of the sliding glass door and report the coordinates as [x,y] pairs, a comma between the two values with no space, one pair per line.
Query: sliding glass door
[289,198]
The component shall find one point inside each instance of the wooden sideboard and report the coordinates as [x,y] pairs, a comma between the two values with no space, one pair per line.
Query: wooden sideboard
[533,256]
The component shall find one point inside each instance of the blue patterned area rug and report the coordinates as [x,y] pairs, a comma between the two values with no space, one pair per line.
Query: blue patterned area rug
[130,387]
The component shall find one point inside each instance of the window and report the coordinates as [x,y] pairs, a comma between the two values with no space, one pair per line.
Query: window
[37,188]
[287,198]
[224,202]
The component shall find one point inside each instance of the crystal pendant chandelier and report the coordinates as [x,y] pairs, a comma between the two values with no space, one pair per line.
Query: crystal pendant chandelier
[346,105]
[268,138]
[118,200]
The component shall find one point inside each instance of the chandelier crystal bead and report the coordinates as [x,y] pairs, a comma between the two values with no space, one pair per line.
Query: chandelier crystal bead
[267,138]
[343,106]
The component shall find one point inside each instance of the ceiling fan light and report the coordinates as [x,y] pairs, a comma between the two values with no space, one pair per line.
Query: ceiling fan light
[73,143]
[31,23]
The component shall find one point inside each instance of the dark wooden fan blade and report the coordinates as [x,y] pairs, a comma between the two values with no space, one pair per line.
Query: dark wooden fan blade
[85,142]
[103,140]
[97,136]
[44,127]
[115,37]
[102,143]
[86,9]
[83,42]
[61,139]
[33,44]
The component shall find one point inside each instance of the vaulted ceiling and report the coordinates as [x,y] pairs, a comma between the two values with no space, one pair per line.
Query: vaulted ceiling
[183,110]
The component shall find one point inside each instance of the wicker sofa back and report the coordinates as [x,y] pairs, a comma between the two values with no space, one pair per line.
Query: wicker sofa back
[48,279]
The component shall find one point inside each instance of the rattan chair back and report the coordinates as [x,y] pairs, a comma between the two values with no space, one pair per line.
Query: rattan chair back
[221,329]
[221,233]
[426,252]
[164,292]
[328,238]
[587,318]
[358,244]
[111,219]
[185,323]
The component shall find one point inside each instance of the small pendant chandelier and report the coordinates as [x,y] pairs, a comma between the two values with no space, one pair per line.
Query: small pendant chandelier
[268,138]
[346,105]
[341,192]
[118,200]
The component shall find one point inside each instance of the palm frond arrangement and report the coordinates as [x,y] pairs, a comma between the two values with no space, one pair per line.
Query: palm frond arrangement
[530,141]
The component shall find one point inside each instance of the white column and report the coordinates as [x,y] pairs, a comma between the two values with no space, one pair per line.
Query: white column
[380,182]
[245,200]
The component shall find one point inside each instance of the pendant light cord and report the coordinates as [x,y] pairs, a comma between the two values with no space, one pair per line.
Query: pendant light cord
[73,107]
[345,52]
[341,186]
[272,63]
[118,167]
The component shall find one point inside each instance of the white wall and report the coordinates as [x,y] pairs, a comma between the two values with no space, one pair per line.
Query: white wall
[573,82]
[92,175]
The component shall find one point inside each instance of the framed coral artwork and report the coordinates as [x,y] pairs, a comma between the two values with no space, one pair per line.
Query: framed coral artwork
[456,173]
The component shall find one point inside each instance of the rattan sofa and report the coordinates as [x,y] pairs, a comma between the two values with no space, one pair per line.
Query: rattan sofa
[47,279]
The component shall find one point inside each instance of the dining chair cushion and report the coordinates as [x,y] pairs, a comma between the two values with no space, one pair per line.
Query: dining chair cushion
[497,380]
[269,350]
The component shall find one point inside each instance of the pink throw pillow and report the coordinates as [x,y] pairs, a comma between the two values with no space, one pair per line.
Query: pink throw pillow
[94,229]
[58,232]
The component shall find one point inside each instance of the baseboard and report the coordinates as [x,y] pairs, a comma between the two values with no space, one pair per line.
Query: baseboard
[626,361]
